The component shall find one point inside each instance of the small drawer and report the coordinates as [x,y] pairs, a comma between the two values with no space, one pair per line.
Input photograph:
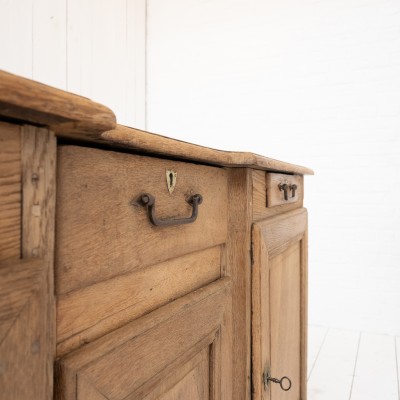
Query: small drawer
[106,229]
[283,189]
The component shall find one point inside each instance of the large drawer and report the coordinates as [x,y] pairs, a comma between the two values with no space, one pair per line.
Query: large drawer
[111,260]
[106,231]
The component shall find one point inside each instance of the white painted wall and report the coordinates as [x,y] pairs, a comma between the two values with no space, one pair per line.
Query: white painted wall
[311,82]
[95,48]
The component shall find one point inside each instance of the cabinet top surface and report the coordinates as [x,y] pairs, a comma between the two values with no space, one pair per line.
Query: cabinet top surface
[73,116]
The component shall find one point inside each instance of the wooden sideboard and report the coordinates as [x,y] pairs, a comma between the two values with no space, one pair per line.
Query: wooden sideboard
[135,266]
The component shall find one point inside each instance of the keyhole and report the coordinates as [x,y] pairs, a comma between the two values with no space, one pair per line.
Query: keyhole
[171,178]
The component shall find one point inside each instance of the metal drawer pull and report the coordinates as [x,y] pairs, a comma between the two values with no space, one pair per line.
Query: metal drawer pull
[150,203]
[280,381]
[284,187]
[293,189]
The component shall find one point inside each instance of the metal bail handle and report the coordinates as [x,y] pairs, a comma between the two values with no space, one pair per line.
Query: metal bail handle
[280,381]
[150,202]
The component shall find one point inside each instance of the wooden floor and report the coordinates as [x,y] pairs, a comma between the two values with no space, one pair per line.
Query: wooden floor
[349,365]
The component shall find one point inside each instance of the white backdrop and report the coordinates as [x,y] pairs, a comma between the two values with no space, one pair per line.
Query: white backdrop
[310,82]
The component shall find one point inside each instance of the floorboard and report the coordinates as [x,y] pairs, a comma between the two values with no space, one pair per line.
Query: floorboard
[376,371]
[332,375]
[316,337]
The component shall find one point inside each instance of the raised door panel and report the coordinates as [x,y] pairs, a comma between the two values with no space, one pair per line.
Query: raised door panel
[279,301]
[179,349]
[190,381]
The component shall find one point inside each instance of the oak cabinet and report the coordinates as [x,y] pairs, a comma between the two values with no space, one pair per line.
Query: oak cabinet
[134,266]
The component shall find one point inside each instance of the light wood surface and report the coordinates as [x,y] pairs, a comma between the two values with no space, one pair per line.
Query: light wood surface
[285,332]
[282,231]
[24,351]
[275,196]
[106,231]
[279,300]
[10,191]
[154,348]
[38,153]
[157,144]
[76,117]
[238,249]
[191,381]
[86,314]
[260,202]
[39,187]
[63,112]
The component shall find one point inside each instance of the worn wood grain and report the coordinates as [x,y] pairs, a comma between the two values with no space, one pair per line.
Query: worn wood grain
[87,391]
[38,152]
[157,144]
[285,324]
[170,376]
[279,304]
[261,210]
[193,375]
[39,186]
[118,364]
[260,322]
[239,268]
[10,191]
[275,196]
[88,313]
[23,355]
[63,112]
[80,118]
[283,230]
[107,232]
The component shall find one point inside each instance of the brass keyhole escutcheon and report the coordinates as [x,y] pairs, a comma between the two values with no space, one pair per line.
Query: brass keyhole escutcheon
[171,179]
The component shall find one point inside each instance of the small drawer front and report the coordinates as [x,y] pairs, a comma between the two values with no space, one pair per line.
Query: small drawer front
[106,229]
[283,189]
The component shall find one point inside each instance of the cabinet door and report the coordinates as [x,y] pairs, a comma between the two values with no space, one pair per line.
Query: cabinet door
[177,352]
[279,303]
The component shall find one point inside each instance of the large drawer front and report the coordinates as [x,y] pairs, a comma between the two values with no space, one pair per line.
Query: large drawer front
[105,231]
